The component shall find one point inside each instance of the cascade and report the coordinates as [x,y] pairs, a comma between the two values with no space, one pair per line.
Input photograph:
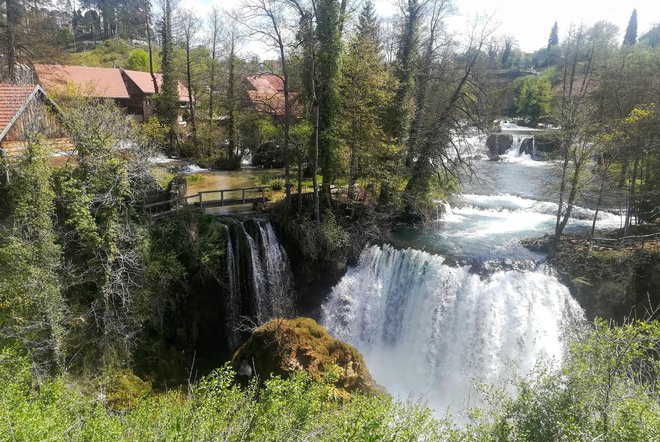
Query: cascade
[514,150]
[430,329]
[259,276]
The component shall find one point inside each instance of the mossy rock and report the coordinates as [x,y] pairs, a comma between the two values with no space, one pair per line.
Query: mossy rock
[282,347]
[122,389]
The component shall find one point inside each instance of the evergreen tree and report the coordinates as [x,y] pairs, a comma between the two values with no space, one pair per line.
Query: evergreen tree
[366,91]
[168,98]
[631,31]
[554,36]
[328,28]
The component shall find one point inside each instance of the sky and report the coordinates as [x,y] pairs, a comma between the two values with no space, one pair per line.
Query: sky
[528,21]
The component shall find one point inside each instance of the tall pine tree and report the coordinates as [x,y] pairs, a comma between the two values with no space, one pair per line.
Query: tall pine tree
[168,99]
[631,31]
[554,36]
[367,91]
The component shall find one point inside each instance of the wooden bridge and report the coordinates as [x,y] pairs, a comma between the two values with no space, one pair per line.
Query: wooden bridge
[209,199]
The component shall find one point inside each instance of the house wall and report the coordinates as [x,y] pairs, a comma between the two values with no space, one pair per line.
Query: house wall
[37,118]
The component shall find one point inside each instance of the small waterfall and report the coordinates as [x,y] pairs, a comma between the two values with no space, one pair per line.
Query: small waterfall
[259,276]
[430,329]
[514,150]
[522,148]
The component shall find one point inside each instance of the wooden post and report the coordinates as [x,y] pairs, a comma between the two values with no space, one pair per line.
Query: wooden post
[222,198]
[263,196]
[201,203]
[243,195]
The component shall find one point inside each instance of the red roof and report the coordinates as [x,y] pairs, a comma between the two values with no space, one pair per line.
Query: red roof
[145,83]
[91,82]
[267,93]
[13,99]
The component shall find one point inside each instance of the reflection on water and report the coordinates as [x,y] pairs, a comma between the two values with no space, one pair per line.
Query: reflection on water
[230,179]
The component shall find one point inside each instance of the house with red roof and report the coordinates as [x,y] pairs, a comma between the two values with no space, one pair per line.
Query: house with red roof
[141,88]
[130,90]
[26,110]
[266,94]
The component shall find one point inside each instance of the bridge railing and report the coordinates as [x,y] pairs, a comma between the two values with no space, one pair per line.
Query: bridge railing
[204,199]
[243,195]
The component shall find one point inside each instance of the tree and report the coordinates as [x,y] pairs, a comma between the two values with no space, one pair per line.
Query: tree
[366,90]
[575,115]
[451,99]
[273,30]
[103,244]
[553,40]
[190,27]
[138,60]
[13,15]
[509,43]
[215,25]
[630,38]
[147,25]
[168,99]
[329,26]
[232,39]
[405,72]
[534,98]
[32,309]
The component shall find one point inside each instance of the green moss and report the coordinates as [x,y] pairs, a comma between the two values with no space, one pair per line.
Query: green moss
[195,178]
[282,347]
[123,389]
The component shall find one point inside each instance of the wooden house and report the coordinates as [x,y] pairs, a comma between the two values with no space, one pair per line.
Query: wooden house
[141,88]
[26,110]
[130,90]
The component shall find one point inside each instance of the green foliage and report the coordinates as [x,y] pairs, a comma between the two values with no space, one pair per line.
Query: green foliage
[113,52]
[138,60]
[534,98]
[367,92]
[31,304]
[607,390]
[553,40]
[215,409]
[631,31]
[167,101]
[328,28]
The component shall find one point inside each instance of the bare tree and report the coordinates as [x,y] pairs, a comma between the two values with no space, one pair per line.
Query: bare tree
[190,26]
[268,20]
[215,28]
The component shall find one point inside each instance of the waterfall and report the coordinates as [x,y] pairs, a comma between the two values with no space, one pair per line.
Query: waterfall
[514,150]
[426,328]
[259,276]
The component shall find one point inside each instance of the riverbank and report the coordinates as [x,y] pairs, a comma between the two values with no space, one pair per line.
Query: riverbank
[613,277]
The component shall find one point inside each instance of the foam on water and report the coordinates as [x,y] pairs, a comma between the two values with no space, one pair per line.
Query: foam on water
[429,329]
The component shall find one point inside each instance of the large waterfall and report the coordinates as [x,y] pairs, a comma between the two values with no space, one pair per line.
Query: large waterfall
[259,276]
[430,329]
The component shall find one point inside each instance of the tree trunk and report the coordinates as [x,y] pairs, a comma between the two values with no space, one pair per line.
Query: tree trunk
[147,21]
[287,124]
[231,105]
[631,198]
[214,43]
[10,35]
[191,103]
[317,214]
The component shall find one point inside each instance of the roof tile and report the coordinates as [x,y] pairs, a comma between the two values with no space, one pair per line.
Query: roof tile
[91,82]
[12,98]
